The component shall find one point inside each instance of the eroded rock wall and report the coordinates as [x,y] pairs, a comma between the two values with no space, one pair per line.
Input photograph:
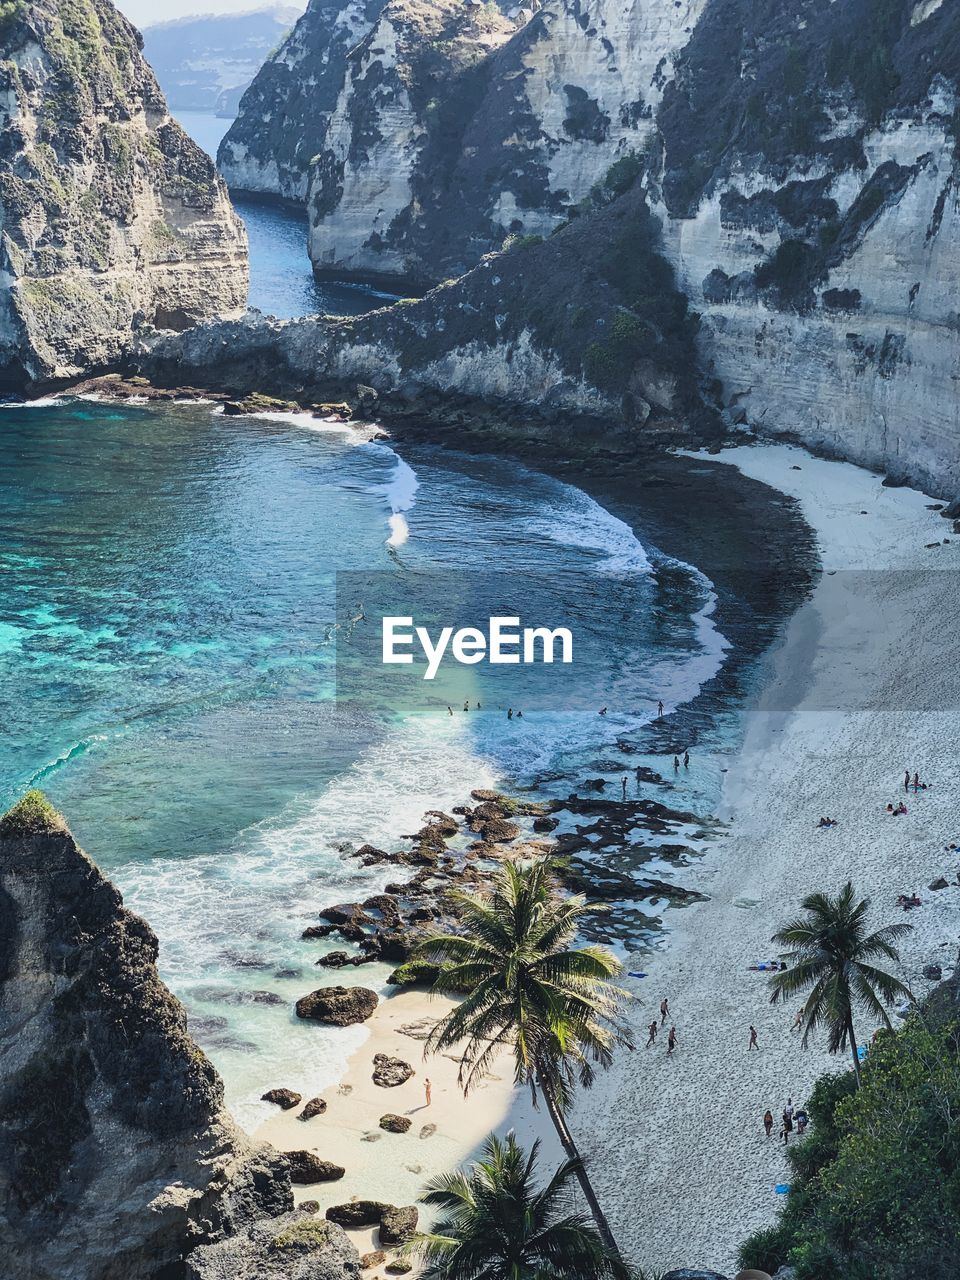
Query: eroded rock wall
[110,216]
[116,1154]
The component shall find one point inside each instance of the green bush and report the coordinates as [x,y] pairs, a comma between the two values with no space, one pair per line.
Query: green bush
[32,814]
[875,1193]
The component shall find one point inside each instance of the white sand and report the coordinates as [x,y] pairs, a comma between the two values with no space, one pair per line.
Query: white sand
[676,1146]
[394,1167]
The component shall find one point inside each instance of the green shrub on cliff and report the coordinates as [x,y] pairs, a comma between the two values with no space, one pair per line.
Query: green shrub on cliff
[875,1192]
[10,12]
[32,814]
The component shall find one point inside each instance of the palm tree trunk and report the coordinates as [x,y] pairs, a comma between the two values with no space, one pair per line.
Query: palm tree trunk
[851,1036]
[570,1147]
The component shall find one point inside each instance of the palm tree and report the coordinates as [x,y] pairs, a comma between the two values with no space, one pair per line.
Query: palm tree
[556,1007]
[497,1225]
[830,955]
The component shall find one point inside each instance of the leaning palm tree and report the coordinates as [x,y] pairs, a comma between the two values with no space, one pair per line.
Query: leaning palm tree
[498,1225]
[554,1006]
[830,954]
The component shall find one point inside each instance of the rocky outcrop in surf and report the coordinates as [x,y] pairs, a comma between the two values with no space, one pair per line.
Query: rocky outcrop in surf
[110,216]
[117,1157]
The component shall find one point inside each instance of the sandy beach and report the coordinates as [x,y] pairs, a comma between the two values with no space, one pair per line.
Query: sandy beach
[394,1167]
[855,696]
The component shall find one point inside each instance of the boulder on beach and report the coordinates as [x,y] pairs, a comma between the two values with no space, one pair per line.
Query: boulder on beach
[398,1267]
[357,1213]
[292,1247]
[315,1107]
[285,1098]
[338,1006]
[389,1072]
[368,1260]
[685,1273]
[307,1168]
[398,1225]
[395,1124]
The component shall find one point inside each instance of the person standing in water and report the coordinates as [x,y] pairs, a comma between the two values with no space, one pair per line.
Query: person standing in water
[659,710]
[450,710]
[686,759]
[676,764]
[623,784]
[509,713]
[466,704]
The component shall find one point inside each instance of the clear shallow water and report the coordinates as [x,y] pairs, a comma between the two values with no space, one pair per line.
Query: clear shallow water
[281,279]
[167,646]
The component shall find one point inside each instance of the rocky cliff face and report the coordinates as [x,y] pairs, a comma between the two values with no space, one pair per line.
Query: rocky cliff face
[588,322]
[109,215]
[284,116]
[799,153]
[116,1155]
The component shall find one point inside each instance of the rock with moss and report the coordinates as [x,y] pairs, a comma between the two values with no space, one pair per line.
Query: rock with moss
[112,218]
[114,1139]
[394,1123]
[294,1247]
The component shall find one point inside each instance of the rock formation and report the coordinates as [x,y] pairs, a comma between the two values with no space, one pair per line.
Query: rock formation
[110,217]
[117,1157]
[587,322]
[800,155]
[283,117]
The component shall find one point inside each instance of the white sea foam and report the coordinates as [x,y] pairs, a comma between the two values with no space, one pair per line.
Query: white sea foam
[400,493]
[43,402]
[576,520]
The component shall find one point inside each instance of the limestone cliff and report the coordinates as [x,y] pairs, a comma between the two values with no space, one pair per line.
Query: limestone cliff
[799,153]
[588,322]
[283,117]
[117,1157]
[109,215]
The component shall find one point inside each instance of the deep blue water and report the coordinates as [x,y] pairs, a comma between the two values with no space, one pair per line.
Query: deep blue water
[281,280]
[167,641]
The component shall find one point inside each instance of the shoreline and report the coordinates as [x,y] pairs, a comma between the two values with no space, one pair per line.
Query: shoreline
[850,701]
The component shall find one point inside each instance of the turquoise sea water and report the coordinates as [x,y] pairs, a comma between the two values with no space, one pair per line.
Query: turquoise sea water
[167,647]
[281,279]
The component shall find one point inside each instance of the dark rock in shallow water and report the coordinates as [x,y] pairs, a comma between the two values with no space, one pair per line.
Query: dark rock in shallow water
[398,1225]
[545,824]
[338,1006]
[358,1213]
[285,1098]
[294,1247]
[307,1168]
[932,972]
[390,1072]
[315,1107]
[341,960]
[395,1124]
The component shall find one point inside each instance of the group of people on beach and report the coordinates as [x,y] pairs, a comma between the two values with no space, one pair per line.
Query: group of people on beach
[792,1117]
[655,1027]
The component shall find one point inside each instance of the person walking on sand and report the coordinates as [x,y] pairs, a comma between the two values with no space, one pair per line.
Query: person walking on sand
[906,781]
[753,1039]
[623,784]
[797,1022]
[652,1034]
[664,1010]
[428,1092]
[785,1132]
[671,1041]
[768,1122]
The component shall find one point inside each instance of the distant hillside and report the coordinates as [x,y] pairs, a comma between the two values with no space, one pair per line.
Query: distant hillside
[205,63]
